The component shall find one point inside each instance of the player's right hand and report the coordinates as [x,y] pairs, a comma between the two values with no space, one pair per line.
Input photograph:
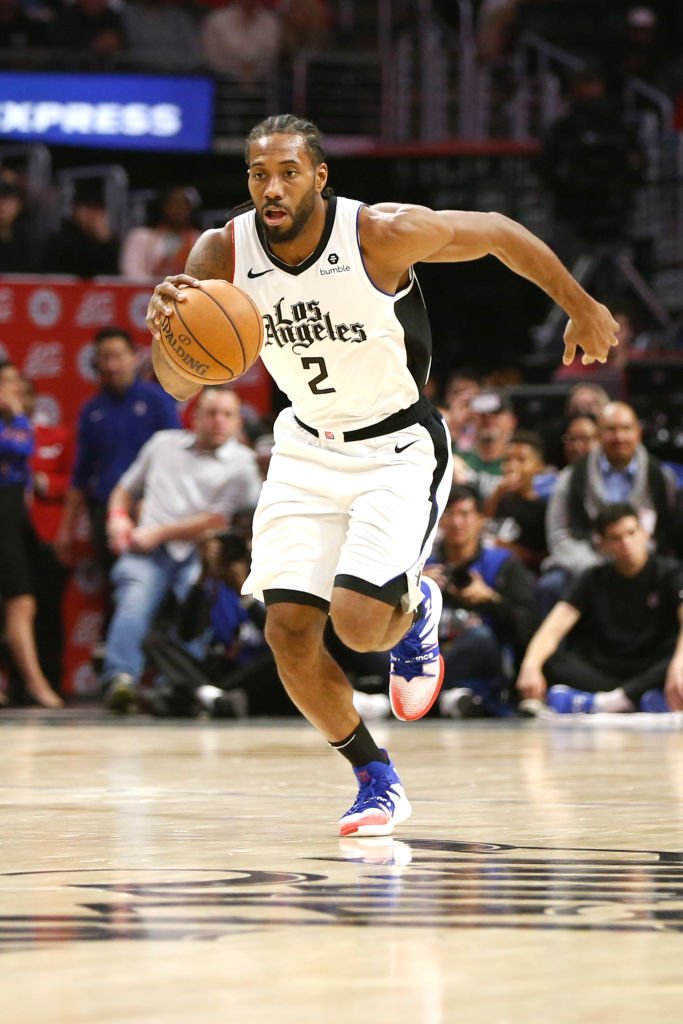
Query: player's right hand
[162,296]
[595,331]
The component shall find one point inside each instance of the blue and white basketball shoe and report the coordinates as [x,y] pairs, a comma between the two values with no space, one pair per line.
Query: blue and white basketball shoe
[654,702]
[417,667]
[566,700]
[381,802]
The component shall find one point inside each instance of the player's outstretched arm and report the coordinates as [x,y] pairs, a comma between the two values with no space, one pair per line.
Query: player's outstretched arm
[394,236]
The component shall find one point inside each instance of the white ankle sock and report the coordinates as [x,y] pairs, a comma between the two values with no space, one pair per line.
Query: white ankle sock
[613,700]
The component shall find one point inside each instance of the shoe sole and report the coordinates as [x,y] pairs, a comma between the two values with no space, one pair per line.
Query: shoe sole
[377,824]
[397,705]
[120,702]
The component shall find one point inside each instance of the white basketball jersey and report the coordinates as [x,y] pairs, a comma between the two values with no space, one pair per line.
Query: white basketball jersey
[346,354]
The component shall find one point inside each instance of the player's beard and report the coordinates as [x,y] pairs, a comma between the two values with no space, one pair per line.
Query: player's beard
[300,217]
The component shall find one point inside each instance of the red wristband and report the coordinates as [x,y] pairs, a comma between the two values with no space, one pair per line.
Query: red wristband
[117,513]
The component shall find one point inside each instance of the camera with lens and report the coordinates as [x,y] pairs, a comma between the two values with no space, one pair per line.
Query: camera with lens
[460,577]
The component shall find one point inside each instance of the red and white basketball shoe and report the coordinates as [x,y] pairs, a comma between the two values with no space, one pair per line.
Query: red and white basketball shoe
[417,667]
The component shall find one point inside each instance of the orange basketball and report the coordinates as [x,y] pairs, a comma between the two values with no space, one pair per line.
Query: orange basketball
[214,335]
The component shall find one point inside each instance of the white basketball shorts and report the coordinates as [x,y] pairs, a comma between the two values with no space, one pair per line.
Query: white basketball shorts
[364,509]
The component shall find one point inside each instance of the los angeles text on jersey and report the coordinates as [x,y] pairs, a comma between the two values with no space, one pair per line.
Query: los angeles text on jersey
[303,323]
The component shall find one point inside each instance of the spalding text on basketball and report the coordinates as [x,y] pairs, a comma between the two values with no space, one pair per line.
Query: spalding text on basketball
[178,345]
[306,324]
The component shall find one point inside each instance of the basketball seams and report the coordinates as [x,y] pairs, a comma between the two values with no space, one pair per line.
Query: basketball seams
[232,324]
[212,322]
[203,347]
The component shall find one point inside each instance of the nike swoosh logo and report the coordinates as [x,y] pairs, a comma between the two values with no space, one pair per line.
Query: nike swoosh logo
[252,273]
[403,448]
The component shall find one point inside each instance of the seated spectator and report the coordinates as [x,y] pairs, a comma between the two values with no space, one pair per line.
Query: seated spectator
[188,483]
[112,427]
[216,632]
[586,398]
[488,607]
[85,244]
[18,541]
[161,36]
[17,247]
[20,29]
[242,41]
[91,26]
[619,468]
[623,624]
[461,388]
[516,510]
[494,423]
[305,26]
[163,247]
[579,437]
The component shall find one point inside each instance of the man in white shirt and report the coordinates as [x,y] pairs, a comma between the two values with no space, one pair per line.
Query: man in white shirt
[186,484]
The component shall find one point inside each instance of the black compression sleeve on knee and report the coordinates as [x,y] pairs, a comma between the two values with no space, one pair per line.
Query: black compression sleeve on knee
[359,747]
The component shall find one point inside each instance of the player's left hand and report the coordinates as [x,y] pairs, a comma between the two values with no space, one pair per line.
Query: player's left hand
[595,332]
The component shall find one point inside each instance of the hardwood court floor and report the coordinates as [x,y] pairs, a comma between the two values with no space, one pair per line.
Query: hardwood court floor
[190,872]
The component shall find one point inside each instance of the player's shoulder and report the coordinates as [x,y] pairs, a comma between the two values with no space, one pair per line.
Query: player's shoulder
[211,256]
[384,223]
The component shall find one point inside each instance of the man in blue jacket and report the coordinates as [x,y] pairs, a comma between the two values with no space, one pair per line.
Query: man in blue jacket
[113,425]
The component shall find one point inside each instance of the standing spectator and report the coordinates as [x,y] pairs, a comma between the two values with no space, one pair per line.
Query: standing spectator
[18,541]
[161,36]
[84,244]
[592,160]
[639,50]
[89,26]
[188,484]
[51,467]
[112,428]
[242,41]
[494,423]
[488,606]
[623,624]
[17,248]
[516,510]
[163,248]
[619,468]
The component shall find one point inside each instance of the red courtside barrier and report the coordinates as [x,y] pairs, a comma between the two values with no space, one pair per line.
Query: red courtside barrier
[46,329]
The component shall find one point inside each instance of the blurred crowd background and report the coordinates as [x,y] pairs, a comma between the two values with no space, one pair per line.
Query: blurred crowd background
[564,114]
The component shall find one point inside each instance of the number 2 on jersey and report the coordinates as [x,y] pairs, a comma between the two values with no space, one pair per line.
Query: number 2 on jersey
[314,385]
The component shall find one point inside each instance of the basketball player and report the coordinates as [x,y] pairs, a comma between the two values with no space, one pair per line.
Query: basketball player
[361,463]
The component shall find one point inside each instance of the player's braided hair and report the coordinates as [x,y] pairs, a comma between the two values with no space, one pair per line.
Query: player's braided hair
[288,124]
